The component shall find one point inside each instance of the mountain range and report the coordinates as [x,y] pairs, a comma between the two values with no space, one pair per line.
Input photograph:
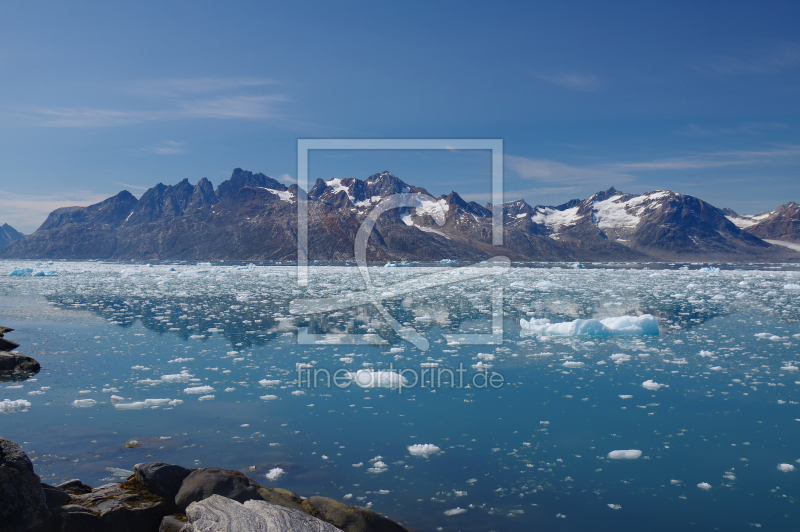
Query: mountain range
[8,234]
[253,217]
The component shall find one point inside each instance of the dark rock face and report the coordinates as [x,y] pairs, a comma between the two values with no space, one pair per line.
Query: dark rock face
[162,479]
[8,235]
[19,363]
[126,507]
[203,483]
[55,496]
[23,503]
[782,224]
[242,178]
[349,518]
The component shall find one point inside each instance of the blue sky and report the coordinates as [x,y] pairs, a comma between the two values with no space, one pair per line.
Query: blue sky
[701,98]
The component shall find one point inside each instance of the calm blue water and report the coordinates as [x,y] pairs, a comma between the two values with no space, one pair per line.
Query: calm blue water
[532,454]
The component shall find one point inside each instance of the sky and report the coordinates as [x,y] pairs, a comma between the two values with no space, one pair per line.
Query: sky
[696,97]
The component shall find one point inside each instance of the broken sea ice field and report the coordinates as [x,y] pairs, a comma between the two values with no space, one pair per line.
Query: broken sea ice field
[632,398]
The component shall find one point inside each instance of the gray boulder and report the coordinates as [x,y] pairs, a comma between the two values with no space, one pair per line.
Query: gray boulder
[17,362]
[218,514]
[203,483]
[162,479]
[126,507]
[23,503]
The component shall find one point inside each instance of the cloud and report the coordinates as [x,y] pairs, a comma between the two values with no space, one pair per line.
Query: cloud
[165,100]
[746,128]
[26,212]
[246,107]
[713,159]
[573,80]
[526,194]
[222,108]
[769,61]
[168,147]
[181,86]
[80,117]
[547,171]
[286,178]
[126,185]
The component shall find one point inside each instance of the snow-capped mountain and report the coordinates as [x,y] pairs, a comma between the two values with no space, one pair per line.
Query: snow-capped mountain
[781,225]
[254,217]
[8,235]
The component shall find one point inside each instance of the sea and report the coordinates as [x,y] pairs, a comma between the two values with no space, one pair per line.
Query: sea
[538,396]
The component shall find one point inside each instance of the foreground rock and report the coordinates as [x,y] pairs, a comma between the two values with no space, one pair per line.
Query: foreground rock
[14,362]
[6,345]
[23,503]
[213,499]
[219,514]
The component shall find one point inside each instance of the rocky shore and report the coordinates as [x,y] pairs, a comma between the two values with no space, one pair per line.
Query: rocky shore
[162,497]
[14,366]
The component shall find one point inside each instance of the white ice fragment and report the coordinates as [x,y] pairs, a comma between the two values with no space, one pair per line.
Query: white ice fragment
[198,390]
[266,382]
[628,454]
[645,324]
[268,397]
[83,403]
[650,384]
[367,378]
[614,506]
[455,511]
[423,449]
[20,405]
[274,474]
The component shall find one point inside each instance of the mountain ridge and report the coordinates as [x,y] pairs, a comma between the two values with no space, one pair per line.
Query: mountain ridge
[252,216]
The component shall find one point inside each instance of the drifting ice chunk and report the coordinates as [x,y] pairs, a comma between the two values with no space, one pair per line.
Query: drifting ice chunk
[199,389]
[8,406]
[366,378]
[617,326]
[455,511]
[653,385]
[628,454]
[423,449]
[275,474]
[83,403]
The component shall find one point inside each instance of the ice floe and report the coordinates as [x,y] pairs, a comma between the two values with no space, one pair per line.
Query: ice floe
[645,324]
[628,454]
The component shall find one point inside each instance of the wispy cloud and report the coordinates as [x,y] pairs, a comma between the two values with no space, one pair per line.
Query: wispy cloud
[26,212]
[286,178]
[573,80]
[225,108]
[180,86]
[547,171]
[773,60]
[528,194]
[713,159]
[164,100]
[168,147]
[127,185]
[746,128]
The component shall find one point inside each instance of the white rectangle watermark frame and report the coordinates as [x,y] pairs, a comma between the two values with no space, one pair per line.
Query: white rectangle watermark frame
[495,265]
